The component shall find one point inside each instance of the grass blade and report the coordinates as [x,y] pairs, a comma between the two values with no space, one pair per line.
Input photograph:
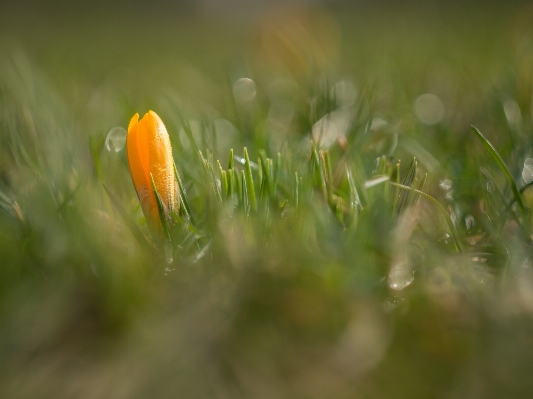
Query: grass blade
[245,198]
[184,197]
[395,177]
[130,224]
[503,167]
[296,191]
[161,209]
[231,175]
[441,209]
[375,182]
[319,173]
[249,182]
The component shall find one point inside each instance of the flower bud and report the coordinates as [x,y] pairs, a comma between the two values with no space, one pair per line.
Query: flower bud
[150,156]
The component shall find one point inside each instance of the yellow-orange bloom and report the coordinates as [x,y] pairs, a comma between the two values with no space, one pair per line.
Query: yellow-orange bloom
[149,153]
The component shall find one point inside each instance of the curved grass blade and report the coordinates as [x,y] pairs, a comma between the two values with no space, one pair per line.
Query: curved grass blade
[277,171]
[133,228]
[395,177]
[319,172]
[501,164]
[441,209]
[184,197]
[408,182]
[355,201]
[420,188]
[231,176]
[328,175]
[245,198]
[375,182]
[161,210]
[296,191]
[249,182]
[267,172]
[188,131]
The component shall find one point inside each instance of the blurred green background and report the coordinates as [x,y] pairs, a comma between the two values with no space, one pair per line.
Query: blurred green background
[303,304]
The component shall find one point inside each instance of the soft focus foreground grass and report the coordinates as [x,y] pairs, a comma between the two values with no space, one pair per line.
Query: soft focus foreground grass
[304,302]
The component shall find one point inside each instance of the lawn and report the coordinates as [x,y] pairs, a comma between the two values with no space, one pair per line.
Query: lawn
[354,221]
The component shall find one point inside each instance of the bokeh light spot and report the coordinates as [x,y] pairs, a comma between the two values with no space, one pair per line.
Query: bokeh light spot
[429,109]
[244,90]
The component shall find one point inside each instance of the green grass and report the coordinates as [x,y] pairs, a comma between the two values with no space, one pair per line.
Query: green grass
[392,262]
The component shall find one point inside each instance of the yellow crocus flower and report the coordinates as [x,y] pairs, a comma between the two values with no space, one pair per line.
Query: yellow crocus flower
[150,153]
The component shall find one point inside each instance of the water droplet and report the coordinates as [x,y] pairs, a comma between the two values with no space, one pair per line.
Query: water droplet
[242,161]
[429,109]
[400,276]
[116,139]
[244,90]
[393,303]
[470,222]
[446,184]
[447,239]
[527,172]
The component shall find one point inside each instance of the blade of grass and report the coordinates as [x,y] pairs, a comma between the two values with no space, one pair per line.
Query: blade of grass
[375,182]
[184,197]
[267,175]
[245,199]
[395,177]
[503,167]
[223,180]
[328,174]
[231,176]
[355,201]
[420,188]
[441,209]
[130,224]
[249,182]
[277,172]
[319,173]
[238,184]
[296,191]
[161,209]
[407,181]
[188,131]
